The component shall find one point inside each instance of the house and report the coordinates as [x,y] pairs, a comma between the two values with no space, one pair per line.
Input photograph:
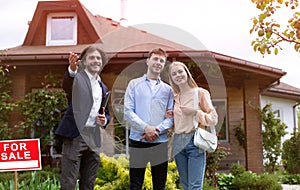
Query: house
[58,27]
[284,99]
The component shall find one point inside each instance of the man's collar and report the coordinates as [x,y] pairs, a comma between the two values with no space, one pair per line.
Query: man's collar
[147,79]
[92,77]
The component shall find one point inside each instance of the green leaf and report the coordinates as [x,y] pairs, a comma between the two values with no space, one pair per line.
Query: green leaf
[262,17]
[268,35]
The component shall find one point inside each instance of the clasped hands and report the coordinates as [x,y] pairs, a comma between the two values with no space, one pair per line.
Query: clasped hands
[151,132]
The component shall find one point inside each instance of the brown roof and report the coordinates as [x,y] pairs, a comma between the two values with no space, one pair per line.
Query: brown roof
[283,90]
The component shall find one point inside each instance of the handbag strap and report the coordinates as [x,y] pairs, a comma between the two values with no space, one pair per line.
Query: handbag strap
[196,100]
[195,107]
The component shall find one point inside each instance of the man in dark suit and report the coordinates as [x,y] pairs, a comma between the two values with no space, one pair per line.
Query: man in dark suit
[81,123]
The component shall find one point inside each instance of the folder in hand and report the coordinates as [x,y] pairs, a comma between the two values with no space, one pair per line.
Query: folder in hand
[105,101]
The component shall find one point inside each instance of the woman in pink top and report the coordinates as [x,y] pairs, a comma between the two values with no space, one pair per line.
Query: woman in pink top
[190,160]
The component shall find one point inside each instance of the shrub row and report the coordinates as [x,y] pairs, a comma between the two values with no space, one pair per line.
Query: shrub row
[239,178]
[113,174]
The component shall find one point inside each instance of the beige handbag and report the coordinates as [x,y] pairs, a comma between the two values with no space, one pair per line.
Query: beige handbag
[207,141]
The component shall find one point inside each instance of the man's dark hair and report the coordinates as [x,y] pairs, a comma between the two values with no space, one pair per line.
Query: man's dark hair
[158,51]
[91,49]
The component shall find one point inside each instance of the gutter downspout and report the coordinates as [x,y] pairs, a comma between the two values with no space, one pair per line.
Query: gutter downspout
[294,115]
[274,84]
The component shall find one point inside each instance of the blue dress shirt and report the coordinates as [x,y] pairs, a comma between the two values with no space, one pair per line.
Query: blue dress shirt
[145,105]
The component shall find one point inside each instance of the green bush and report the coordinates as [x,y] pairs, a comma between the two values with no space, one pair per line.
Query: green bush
[113,174]
[268,182]
[246,180]
[207,186]
[225,181]
[291,154]
[240,179]
[292,179]
[236,169]
[41,111]
[249,180]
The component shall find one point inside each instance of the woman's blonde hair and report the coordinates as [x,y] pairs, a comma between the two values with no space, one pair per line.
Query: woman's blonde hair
[191,82]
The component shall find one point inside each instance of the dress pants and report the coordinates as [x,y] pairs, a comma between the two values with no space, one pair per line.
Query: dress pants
[79,157]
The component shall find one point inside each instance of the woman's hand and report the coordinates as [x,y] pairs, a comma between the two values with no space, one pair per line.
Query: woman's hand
[169,114]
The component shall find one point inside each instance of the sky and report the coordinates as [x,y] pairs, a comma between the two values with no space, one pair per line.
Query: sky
[221,26]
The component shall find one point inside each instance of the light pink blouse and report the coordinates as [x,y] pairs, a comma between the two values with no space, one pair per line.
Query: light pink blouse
[206,114]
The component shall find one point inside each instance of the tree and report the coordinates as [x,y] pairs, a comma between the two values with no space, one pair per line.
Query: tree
[291,154]
[270,33]
[272,134]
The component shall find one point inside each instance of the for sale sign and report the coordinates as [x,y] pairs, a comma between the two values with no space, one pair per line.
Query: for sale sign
[23,154]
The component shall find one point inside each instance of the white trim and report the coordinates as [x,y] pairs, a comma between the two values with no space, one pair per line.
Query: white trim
[49,41]
[19,164]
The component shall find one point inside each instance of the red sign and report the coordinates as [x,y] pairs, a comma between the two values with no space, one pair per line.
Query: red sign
[23,154]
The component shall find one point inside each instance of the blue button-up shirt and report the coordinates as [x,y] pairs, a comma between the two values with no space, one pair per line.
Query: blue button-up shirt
[145,105]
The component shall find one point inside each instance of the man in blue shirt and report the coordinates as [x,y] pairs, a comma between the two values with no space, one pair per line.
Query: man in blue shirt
[145,103]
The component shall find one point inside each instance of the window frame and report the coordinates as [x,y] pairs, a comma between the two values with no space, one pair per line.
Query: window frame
[220,116]
[49,41]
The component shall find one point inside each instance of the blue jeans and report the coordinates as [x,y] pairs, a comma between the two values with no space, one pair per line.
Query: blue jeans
[190,162]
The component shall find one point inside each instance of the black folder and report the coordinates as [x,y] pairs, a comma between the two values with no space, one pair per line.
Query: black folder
[105,101]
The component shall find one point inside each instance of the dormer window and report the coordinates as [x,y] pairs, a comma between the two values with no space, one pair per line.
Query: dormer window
[61,29]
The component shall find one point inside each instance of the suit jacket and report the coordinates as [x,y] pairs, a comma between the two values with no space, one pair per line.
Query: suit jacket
[79,89]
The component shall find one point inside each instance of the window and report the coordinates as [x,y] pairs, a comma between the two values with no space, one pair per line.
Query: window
[61,29]
[276,112]
[221,128]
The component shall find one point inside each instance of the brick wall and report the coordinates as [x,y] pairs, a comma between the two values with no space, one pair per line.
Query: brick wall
[235,114]
[254,156]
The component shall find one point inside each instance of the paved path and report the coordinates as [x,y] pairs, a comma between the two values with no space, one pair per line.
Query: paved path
[291,187]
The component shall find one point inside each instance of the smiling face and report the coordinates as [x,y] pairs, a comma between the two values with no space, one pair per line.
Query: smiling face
[93,62]
[155,65]
[178,75]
